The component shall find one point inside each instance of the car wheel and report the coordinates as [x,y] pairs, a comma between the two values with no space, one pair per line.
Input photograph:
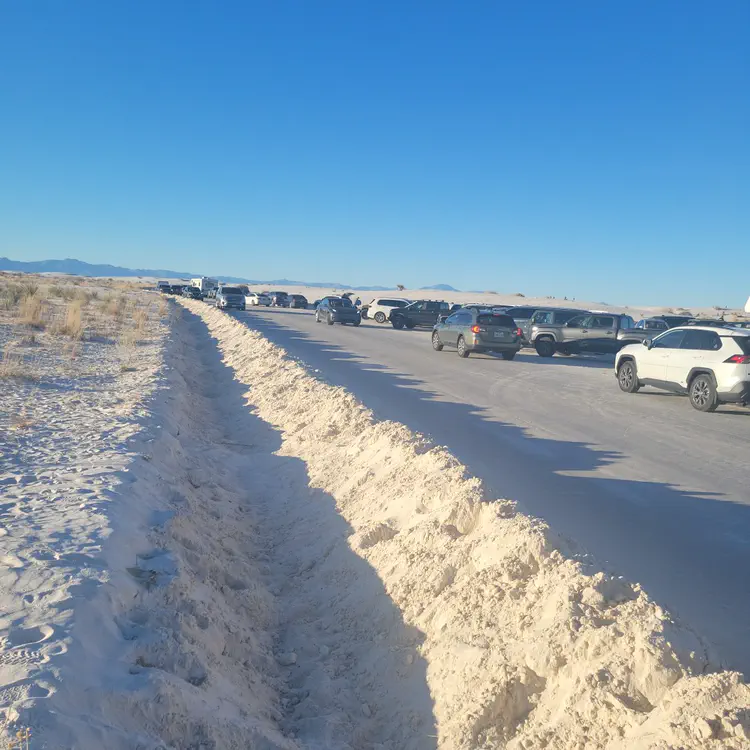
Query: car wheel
[317,317]
[509,355]
[545,347]
[379,317]
[357,322]
[703,393]
[436,345]
[461,348]
[330,320]
[627,377]
[397,323]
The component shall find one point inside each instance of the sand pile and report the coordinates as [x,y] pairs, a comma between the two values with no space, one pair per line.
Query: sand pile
[527,644]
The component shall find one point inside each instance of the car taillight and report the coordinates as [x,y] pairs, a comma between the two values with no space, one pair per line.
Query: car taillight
[738,359]
[519,333]
[475,329]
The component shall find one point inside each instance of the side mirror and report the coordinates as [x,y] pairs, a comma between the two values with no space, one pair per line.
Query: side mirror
[442,318]
[648,343]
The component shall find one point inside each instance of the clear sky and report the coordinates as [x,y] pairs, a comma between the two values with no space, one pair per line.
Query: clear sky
[583,148]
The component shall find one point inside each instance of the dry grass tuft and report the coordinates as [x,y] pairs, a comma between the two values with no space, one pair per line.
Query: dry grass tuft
[72,326]
[12,294]
[31,311]
[13,365]
[140,320]
[116,304]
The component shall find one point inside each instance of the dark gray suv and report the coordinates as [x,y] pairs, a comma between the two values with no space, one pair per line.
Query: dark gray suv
[472,330]
[337,311]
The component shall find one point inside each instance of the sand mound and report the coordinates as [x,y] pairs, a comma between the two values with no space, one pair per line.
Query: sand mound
[526,644]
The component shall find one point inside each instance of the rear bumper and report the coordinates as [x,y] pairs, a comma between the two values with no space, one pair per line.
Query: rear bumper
[494,346]
[740,394]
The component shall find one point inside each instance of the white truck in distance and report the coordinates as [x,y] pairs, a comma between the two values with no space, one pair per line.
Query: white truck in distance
[205,284]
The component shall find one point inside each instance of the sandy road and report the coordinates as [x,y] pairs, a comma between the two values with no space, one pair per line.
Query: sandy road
[657,491]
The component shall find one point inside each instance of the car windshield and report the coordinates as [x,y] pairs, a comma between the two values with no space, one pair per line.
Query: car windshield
[503,321]
[231,290]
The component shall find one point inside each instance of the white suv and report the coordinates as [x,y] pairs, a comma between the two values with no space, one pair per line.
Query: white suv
[379,309]
[711,365]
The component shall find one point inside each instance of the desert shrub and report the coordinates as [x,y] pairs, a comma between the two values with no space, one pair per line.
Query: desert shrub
[31,311]
[72,324]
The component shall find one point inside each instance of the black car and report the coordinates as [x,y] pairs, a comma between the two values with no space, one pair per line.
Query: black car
[192,291]
[298,301]
[472,330]
[423,314]
[337,311]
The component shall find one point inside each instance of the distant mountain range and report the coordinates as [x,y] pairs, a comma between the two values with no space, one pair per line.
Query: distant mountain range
[80,268]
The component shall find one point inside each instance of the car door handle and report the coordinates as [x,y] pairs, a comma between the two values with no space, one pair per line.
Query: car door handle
[583,330]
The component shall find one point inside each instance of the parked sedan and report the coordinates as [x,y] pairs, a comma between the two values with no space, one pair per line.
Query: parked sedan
[298,301]
[279,299]
[337,311]
[255,299]
[472,330]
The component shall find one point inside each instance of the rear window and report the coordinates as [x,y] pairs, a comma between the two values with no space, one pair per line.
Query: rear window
[231,290]
[523,312]
[340,303]
[744,343]
[502,321]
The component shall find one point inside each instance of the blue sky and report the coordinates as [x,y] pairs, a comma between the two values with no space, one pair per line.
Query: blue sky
[591,149]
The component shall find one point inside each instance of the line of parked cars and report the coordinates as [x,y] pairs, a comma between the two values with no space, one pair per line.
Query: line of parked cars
[707,360]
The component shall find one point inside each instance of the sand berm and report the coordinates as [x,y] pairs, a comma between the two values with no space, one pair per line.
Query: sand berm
[525,642]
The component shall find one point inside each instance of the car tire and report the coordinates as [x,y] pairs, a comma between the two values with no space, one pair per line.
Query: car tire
[545,347]
[627,376]
[436,345]
[509,356]
[397,323]
[357,322]
[379,317]
[702,393]
[330,320]
[461,348]
[317,317]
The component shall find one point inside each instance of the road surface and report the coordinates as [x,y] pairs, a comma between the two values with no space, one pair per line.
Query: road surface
[657,491]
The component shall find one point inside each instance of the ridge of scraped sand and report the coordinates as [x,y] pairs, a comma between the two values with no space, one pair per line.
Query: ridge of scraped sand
[527,643]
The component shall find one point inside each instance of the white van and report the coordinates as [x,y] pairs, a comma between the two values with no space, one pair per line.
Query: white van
[205,284]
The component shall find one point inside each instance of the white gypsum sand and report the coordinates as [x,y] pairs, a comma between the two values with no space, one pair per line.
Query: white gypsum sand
[523,645]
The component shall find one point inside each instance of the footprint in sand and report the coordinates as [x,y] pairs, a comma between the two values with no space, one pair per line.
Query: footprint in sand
[27,636]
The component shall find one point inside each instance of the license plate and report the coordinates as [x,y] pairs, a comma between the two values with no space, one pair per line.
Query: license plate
[499,335]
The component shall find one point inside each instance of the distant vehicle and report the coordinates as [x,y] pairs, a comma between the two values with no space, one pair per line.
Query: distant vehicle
[711,322]
[710,365]
[747,305]
[590,333]
[192,291]
[546,316]
[474,330]
[423,314]
[205,284]
[298,301]
[381,307]
[244,288]
[279,299]
[230,296]
[255,299]
[163,287]
[337,310]
[176,289]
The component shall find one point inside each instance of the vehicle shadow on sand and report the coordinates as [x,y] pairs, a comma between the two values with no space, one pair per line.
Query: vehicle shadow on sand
[690,551]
